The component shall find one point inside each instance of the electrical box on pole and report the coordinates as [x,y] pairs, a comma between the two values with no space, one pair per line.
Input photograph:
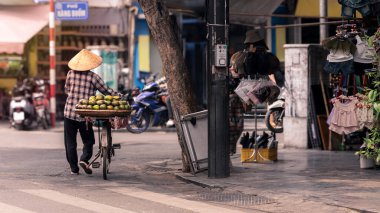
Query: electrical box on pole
[221,55]
[217,64]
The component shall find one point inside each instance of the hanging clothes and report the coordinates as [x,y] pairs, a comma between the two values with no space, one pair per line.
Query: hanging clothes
[349,7]
[341,50]
[343,117]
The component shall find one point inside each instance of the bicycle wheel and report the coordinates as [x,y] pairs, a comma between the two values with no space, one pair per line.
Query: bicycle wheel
[105,161]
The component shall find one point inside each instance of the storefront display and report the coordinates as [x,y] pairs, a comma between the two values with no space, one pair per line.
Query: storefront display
[352,65]
[11,66]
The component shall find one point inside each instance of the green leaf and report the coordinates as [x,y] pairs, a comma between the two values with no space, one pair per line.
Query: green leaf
[376,106]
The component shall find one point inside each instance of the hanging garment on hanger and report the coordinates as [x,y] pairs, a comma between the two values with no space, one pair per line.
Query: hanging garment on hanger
[363,54]
[359,68]
[349,7]
[340,49]
[343,118]
[345,67]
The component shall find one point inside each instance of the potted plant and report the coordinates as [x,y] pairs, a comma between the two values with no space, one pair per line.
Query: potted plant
[369,150]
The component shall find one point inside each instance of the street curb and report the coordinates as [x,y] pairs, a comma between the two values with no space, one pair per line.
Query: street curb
[187,179]
[154,129]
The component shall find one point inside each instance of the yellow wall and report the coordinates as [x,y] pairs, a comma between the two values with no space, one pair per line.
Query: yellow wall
[144,55]
[7,83]
[311,8]
[280,41]
[31,49]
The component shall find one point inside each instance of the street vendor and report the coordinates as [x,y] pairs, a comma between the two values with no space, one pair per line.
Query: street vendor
[81,83]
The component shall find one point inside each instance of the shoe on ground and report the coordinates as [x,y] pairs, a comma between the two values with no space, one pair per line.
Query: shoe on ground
[170,123]
[74,173]
[85,167]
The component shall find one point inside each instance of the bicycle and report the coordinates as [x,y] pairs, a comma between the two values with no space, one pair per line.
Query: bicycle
[106,148]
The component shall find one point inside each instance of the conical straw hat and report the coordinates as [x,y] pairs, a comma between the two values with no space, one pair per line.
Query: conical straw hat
[85,61]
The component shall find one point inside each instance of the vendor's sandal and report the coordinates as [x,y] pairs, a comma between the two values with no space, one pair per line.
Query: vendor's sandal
[85,167]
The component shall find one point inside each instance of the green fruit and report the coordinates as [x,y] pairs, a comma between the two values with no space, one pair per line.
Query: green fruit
[110,107]
[91,102]
[92,98]
[122,107]
[127,107]
[95,107]
[116,108]
[123,102]
[108,97]
[89,107]
[99,102]
[103,106]
[116,97]
[115,103]
[107,102]
[99,97]
[83,101]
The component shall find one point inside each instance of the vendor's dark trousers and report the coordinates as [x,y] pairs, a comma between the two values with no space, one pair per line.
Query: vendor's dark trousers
[71,128]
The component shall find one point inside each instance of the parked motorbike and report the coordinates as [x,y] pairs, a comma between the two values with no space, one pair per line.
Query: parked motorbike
[148,106]
[29,105]
[275,114]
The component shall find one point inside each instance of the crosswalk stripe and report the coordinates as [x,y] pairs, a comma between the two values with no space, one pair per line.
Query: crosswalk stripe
[12,209]
[75,201]
[171,201]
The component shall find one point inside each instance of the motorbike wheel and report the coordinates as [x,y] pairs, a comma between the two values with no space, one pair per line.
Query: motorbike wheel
[274,120]
[45,120]
[19,126]
[140,125]
[44,123]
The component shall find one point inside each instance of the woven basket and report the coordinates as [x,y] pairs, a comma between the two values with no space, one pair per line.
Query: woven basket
[102,113]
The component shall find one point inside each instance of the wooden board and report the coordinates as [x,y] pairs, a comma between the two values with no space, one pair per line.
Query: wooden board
[324,131]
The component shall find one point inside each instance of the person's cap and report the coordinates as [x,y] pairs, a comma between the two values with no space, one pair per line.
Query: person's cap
[252,37]
[85,61]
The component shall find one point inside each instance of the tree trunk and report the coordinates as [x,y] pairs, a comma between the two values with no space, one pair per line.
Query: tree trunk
[175,70]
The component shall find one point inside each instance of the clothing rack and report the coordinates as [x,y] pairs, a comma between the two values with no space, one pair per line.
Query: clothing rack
[256,151]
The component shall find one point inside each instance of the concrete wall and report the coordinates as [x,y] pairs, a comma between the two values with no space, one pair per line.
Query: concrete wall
[296,100]
[303,64]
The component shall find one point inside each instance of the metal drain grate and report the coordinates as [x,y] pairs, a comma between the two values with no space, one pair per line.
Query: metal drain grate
[235,199]
[158,169]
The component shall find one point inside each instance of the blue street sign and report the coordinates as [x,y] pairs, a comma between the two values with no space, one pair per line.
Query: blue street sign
[71,10]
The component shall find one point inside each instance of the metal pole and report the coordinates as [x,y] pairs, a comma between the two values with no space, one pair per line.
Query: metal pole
[131,44]
[217,61]
[52,63]
[323,30]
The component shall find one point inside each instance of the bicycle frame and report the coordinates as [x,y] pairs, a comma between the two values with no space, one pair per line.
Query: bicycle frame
[105,145]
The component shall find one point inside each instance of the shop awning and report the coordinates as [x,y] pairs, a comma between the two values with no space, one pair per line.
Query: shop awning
[20,23]
[255,7]
[310,8]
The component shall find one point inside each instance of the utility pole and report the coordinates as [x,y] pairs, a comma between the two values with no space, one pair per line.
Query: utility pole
[217,64]
[52,62]
[323,13]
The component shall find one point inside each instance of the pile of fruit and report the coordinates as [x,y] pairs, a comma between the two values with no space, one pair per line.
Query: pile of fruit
[101,102]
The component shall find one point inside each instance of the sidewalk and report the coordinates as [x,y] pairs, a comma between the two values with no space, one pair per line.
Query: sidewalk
[300,181]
